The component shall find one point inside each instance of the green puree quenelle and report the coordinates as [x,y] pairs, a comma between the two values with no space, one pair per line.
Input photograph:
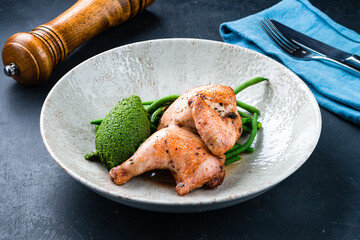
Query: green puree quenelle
[121,132]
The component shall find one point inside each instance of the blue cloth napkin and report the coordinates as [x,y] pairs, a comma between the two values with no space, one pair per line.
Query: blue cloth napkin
[334,88]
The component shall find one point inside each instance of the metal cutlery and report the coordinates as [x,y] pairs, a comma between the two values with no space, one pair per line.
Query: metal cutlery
[303,47]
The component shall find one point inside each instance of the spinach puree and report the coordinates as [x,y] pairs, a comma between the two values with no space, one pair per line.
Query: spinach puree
[121,132]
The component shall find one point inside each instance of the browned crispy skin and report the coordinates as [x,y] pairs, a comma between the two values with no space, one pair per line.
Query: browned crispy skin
[209,110]
[179,150]
[219,134]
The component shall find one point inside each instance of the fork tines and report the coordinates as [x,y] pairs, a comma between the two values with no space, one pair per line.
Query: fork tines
[278,38]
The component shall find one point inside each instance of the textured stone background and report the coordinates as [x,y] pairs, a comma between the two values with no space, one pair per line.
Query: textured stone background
[38,200]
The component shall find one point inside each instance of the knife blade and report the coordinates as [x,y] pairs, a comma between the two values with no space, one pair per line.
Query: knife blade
[316,45]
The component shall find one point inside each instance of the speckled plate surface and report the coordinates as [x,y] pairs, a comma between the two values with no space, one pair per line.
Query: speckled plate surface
[289,113]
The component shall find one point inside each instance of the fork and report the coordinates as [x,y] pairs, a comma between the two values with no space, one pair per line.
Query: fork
[293,48]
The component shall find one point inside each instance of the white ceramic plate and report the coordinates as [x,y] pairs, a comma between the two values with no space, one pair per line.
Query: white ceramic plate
[289,113]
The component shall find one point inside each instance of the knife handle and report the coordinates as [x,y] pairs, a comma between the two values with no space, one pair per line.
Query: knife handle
[341,63]
[353,61]
[29,58]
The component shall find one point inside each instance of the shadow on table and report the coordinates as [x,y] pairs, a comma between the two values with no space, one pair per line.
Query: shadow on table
[136,29]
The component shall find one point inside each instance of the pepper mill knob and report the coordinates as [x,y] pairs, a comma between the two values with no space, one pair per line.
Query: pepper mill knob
[29,58]
[10,69]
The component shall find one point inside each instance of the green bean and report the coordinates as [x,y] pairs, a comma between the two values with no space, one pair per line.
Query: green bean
[237,146]
[247,107]
[97,121]
[232,160]
[146,107]
[250,150]
[232,153]
[148,102]
[246,129]
[97,127]
[155,114]
[249,141]
[259,125]
[245,120]
[160,102]
[248,84]
[243,115]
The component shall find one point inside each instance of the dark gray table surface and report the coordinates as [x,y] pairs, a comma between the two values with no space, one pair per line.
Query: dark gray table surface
[38,200]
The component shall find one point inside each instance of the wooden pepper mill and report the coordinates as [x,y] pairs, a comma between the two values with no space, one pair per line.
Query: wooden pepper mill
[30,57]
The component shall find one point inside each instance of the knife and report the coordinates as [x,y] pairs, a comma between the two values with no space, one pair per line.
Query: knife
[349,59]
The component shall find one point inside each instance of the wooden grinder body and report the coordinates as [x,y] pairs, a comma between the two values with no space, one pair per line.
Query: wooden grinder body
[36,53]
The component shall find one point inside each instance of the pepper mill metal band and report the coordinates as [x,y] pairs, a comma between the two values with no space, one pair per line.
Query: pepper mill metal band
[29,58]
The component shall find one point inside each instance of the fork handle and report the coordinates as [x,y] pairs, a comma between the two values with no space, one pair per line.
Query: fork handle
[353,61]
